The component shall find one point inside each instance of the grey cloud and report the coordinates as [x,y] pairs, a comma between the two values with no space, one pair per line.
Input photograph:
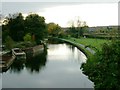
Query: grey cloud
[26,7]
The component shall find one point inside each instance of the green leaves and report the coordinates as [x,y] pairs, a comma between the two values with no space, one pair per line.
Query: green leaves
[27,37]
[104,67]
[16,26]
[54,29]
[9,42]
[36,25]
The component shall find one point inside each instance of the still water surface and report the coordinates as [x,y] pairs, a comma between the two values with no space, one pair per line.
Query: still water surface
[58,67]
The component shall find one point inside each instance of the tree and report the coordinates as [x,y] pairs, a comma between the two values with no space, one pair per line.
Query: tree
[15,26]
[103,68]
[54,29]
[77,28]
[36,25]
[73,32]
[9,42]
[81,27]
[5,32]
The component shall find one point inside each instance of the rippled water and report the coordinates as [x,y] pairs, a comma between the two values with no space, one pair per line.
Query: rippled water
[58,67]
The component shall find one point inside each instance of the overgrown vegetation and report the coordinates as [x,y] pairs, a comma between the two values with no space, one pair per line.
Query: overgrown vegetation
[9,42]
[54,29]
[103,68]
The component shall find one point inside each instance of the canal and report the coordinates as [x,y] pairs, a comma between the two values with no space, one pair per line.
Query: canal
[58,67]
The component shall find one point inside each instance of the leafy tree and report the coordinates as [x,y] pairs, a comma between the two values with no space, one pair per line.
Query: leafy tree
[54,29]
[5,32]
[15,26]
[77,28]
[9,42]
[73,32]
[36,25]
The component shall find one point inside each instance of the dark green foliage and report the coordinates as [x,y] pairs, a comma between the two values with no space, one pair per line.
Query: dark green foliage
[103,68]
[15,26]
[36,25]
[9,43]
[25,44]
[77,31]
[5,32]
[73,32]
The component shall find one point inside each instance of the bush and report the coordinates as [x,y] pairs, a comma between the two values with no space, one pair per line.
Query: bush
[103,69]
[9,43]
[25,44]
[27,37]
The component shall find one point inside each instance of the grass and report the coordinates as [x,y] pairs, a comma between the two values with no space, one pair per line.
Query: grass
[90,42]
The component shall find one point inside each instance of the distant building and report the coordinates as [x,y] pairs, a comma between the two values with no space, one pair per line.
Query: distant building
[91,29]
[102,27]
[65,28]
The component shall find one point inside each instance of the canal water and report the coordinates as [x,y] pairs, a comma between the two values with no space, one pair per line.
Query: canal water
[58,67]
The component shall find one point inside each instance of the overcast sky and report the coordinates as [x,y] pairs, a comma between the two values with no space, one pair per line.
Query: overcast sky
[94,13]
[85,1]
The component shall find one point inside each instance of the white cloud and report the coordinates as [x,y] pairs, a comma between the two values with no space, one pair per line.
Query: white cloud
[93,14]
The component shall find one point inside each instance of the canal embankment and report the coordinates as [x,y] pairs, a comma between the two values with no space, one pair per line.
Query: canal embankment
[86,50]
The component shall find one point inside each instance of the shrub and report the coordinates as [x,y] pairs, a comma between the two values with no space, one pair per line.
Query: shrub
[103,69]
[27,37]
[9,43]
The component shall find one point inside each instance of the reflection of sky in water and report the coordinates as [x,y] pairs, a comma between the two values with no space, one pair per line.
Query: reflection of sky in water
[62,70]
[66,52]
[57,50]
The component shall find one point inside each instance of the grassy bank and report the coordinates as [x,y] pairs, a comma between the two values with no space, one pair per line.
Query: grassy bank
[90,42]
[87,53]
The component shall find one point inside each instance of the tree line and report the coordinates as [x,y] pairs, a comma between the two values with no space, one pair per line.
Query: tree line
[33,27]
[17,27]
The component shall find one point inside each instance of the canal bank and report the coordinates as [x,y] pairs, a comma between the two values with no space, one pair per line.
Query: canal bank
[86,50]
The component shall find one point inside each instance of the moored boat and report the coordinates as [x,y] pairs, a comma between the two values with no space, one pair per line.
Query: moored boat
[18,53]
[6,62]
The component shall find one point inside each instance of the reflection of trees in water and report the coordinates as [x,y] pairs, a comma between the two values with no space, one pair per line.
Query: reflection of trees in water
[71,47]
[33,65]
[55,41]
[36,63]
[17,66]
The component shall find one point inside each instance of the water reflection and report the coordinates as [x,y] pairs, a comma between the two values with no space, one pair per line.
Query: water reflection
[55,41]
[17,66]
[58,67]
[33,64]
[66,52]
